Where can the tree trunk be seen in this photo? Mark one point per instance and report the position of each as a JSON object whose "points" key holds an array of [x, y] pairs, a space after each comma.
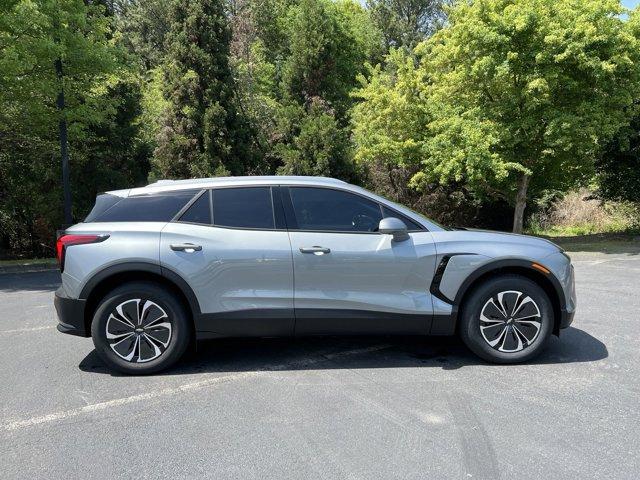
{"points": [[521, 203]]}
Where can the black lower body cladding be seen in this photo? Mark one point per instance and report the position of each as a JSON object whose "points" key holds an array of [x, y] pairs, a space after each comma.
{"points": [[70, 314]]}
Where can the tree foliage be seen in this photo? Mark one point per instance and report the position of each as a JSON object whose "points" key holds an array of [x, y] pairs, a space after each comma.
{"points": [[295, 79], [515, 92], [142, 27], [405, 23], [323, 57], [32, 36], [618, 168], [318, 145], [390, 123], [203, 133], [458, 112]]}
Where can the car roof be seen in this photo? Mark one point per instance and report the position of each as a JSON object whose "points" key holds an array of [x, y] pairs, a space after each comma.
{"points": [[198, 183]]}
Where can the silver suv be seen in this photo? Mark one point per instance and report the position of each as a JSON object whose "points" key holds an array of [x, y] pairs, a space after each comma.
{"points": [[152, 269]]}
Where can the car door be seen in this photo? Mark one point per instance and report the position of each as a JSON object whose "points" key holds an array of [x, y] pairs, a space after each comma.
{"points": [[232, 247], [348, 277]]}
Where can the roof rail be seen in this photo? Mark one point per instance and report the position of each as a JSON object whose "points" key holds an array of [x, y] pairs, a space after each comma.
{"points": [[283, 178]]}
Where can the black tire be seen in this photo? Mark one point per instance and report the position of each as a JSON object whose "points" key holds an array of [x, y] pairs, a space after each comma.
{"points": [[484, 301], [154, 300]]}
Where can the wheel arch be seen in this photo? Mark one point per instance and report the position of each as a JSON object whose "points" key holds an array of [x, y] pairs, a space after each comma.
{"points": [[548, 282], [110, 277]]}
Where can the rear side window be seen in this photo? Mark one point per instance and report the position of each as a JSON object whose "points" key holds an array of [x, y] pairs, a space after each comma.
{"points": [[160, 207], [334, 210], [199, 211], [249, 207]]}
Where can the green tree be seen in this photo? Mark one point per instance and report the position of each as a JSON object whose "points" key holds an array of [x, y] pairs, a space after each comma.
{"points": [[328, 45], [142, 27], [295, 63], [268, 23], [32, 36], [390, 135], [322, 59], [525, 92], [116, 151], [317, 144], [203, 133], [405, 23], [390, 123], [618, 168], [368, 40]]}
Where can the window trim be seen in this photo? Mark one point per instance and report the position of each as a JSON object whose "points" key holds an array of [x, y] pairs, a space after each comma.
{"points": [[211, 190], [290, 212], [183, 210]]}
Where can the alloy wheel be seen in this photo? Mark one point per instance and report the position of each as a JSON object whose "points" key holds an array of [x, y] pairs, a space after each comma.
{"points": [[510, 321], [138, 330]]}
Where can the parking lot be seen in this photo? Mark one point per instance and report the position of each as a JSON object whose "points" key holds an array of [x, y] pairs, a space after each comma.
{"points": [[329, 408]]}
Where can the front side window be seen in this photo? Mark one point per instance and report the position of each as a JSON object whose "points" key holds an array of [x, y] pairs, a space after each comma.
{"points": [[249, 207], [333, 210]]}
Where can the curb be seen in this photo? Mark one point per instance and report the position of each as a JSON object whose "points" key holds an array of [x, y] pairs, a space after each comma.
{"points": [[28, 268]]}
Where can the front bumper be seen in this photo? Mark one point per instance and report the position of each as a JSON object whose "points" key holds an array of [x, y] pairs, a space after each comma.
{"points": [[566, 319], [70, 314], [570, 309]]}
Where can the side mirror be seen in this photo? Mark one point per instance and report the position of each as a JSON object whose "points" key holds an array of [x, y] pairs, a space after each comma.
{"points": [[394, 226]]}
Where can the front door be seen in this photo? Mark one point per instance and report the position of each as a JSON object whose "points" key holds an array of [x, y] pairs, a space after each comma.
{"points": [[350, 279]]}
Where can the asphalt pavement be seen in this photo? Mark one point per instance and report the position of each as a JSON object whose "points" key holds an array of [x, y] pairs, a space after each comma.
{"points": [[328, 408]]}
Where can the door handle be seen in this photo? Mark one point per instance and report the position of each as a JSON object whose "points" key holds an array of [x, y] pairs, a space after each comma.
{"points": [[315, 250], [185, 247]]}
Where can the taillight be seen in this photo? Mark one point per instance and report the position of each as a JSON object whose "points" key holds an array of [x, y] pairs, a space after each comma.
{"points": [[68, 240]]}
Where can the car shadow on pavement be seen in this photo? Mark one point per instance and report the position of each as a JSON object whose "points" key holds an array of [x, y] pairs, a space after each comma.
{"points": [[321, 353]]}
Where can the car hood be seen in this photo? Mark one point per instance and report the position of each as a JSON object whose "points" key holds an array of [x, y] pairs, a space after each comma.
{"points": [[494, 244]]}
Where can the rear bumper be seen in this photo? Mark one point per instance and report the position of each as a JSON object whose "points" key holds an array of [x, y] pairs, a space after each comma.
{"points": [[70, 314]]}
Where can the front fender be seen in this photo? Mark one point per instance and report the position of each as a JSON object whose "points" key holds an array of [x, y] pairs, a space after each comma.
{"points": [[451, 285]]}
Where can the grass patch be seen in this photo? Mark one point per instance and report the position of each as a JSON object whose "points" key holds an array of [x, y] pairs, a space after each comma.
{"points": [[28, 262], [580, 214], [614, 243], [583, 229]]}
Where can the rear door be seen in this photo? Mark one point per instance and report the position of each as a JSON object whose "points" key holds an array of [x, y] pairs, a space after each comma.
{"points": [[348, 277], [232, 247]]}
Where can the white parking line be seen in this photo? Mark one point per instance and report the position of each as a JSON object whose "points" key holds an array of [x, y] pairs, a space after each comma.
{"points": [[165, 392], [123, 401], [34, 329]]}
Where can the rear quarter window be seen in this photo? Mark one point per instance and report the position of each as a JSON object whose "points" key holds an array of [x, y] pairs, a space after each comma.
{"points": [[161, 207], [200, 211], [104, 202]]}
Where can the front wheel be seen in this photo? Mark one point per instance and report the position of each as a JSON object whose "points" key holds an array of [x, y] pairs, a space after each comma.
{"points": [[140, 328], [507, 319]]}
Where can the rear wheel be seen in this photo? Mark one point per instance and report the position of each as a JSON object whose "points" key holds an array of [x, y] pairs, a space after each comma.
{"points": [[507, 319], [140, 328]]}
